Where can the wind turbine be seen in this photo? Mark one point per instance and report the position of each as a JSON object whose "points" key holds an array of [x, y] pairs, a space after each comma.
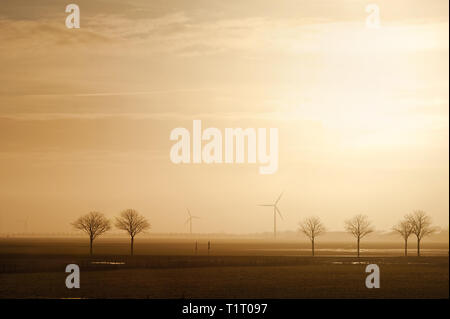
{"points": [[275, 212], [189, 220], [24, 222]]}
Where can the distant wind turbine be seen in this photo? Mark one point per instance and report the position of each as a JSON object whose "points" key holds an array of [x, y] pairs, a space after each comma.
{"points": [[24, 222], [275, 212], [189, 220]]}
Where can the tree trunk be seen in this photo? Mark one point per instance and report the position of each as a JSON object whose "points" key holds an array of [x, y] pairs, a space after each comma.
{"points": [[406, 247], [418, 246], [312, 243], [90, 245], [132, 242], [274, 223], [358, 246]]}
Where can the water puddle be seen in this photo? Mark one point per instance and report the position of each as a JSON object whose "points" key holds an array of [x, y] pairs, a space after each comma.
{"points": [[107, 263]]}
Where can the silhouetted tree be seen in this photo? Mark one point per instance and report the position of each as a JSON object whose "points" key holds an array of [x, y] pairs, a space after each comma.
{"points": [[404, 228], [133, 223], [359, 226], [421, 226], [312, 227], [94, 224]]}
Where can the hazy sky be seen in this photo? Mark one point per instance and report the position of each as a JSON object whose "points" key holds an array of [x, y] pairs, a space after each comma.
{"points": [[85, 114]]}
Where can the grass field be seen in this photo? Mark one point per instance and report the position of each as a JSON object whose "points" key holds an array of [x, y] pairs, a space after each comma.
{"points": [[236, 269]]}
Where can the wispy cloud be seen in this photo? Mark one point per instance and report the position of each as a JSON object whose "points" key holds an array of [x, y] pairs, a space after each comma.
{"points": [[178, 116], [182, 33], [119, 93]]}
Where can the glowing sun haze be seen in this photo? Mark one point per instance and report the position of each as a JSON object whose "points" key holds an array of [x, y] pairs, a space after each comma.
{"points": [[86, 114]]}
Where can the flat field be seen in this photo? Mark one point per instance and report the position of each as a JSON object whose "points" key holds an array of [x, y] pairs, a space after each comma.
{"points": [[35, 268]]}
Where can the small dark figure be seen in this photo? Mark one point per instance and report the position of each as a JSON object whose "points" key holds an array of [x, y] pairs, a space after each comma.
{"points": [[196, 247], [209, 246]]}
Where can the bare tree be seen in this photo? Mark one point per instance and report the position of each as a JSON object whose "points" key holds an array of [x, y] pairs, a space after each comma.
{"points": [[359, 226], [94, 224], [312, 227], [133, 223], [404, 228], [421, 226]]}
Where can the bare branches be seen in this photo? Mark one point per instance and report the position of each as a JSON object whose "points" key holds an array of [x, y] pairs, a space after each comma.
{"points": [[312, 227], [94, 224], [132, 222], [404, 228], [359, 226], [421, 224]]}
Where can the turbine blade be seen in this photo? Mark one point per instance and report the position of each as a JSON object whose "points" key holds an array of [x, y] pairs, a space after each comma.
{"points": [[278, 211], [279, 197], [268, 205]]}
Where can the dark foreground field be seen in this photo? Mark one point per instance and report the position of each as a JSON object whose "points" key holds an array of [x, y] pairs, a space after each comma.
{"points": [[40, 274]]}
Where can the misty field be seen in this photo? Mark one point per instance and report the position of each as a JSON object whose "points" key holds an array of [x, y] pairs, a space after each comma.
{"points": [[234, 269]]}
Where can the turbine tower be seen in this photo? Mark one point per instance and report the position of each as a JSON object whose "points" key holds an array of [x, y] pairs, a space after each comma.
{"points": [[189, 220], [275, 212], [24, 223]]}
